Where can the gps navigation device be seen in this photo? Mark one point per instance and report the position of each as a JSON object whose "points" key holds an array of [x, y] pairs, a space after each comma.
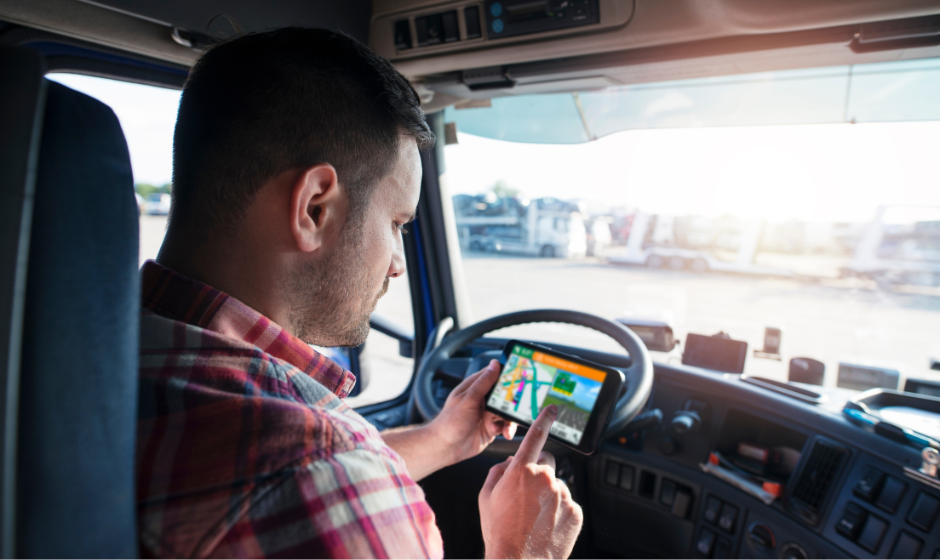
{"points": [[534, 377]]}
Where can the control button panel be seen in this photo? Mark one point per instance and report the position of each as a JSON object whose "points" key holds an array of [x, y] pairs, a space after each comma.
{"points": [[619, 475], [402, 35], [872, 533], [891, 494], [869, 485], [612, 474], [677, 497], [720, 513], [885, 513], [507, 18], [712, 509], [861, 527], [727, 518], [721, 519], [710, 545], [876, 487], [626, 478], [668, 493], [471, 17], [906, 545], [437, 29], [722, 549], [705, 543], [924, 511], [682, 503], [850, 523]]}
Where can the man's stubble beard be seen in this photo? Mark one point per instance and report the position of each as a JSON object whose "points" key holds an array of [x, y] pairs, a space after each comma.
{"points": [[331, 301]]}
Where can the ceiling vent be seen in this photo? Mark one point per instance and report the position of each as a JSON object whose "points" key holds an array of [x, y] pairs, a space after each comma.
{"points": [[819, 471]]}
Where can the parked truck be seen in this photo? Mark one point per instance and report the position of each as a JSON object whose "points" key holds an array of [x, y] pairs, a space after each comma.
{"points": [[544, 227], [901, 245], [651, 243]]}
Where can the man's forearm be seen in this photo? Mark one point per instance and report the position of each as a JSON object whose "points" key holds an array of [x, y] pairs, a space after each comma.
{"points": [[420, 447]]}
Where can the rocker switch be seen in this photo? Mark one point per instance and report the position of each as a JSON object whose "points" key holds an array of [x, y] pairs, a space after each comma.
{"points": [[869, 485]]}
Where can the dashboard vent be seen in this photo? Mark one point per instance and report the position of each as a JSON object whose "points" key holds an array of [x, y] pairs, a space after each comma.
{"points": [[819, 472]]}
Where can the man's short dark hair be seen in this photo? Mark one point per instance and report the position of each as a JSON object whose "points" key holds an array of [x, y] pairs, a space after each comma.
{"points": [[265, 103]]}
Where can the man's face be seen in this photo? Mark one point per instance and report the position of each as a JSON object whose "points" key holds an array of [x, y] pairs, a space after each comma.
{"points": [[334, 298]]}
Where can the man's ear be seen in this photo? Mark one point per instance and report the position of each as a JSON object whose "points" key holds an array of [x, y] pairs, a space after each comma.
{"points": [[316, 206]]}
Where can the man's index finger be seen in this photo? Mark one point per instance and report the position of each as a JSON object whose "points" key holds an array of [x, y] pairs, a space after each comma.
{"points": [[534, 440]]}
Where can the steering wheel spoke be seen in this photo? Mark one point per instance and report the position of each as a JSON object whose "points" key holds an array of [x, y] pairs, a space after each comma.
{"points": [[454, 370]]}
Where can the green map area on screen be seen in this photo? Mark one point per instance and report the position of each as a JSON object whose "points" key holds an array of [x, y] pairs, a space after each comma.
{"points": [[527, 385]]}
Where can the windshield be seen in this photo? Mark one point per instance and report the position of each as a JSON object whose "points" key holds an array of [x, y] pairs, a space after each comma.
{"points": [[814, 240]]}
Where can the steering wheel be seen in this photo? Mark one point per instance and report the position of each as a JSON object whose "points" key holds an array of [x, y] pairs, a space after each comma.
{"points": [[639, 376]]}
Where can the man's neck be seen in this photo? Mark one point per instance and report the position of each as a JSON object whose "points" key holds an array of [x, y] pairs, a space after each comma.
{"points": [[233, 266]]}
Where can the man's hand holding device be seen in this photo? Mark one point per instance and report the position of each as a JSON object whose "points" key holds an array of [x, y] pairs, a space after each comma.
{"points": [[525, 512], [462, 430], [463, 427]]}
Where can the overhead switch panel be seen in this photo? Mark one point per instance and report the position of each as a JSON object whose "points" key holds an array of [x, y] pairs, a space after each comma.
{"points": [[509, 18], [402, 35], [471, 16], [429, 30]]}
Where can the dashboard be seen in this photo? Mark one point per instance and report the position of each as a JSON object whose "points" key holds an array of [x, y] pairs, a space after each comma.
{"points": [[849, 493]]}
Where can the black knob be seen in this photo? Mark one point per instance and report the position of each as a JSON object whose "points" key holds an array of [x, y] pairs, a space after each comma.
{"points": [[668, 446], [685, 422], [761, 535], [793, 551]]}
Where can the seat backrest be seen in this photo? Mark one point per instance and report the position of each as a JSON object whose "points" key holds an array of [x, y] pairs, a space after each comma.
{"points": [[75, 493], [22, 100]]}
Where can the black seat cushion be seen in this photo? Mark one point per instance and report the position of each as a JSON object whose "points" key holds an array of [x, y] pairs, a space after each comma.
{"points": [[78, 399]]}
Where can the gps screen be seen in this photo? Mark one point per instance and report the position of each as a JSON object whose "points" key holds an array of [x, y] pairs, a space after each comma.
{"points": [[532, 380]]}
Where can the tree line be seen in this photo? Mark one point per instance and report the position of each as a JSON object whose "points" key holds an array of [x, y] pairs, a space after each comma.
{"points": [[146, 189]]}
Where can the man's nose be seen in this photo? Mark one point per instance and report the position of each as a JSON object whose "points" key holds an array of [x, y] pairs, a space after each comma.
{"points": [[397, 268]]}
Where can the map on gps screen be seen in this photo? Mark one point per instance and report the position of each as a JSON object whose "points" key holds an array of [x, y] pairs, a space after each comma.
{"points": [[532, 380]]}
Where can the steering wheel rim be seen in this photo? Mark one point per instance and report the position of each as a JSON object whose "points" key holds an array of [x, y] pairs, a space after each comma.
{"points": [[626, 407]]}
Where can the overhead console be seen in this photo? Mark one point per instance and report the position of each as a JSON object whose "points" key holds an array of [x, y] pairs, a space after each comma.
{"points": [[435, 28], [466, 52]]}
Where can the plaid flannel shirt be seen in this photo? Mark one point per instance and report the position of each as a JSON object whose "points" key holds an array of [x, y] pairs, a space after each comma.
{"points": [[245, 447]]}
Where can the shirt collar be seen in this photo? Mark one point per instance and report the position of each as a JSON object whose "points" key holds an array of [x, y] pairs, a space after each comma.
{"points": [[172, 295]]}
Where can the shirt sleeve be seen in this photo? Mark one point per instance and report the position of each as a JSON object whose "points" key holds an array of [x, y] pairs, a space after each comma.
{"points": [[356, 504]]}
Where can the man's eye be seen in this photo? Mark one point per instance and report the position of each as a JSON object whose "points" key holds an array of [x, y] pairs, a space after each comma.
{"points": [[402, 228]]}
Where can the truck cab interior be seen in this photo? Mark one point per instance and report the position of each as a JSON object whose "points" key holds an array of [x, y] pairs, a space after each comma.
{"points": [[616, 179]]}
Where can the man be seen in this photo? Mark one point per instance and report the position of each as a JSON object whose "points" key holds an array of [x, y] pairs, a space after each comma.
{"points": [[296, 167]]}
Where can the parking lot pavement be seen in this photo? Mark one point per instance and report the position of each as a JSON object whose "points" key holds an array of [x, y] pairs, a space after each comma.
{"points": [[152, 231], [829, 320]]}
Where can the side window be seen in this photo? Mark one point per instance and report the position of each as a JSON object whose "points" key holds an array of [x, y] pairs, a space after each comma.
{"points": [[384, 373], [148, 118]]}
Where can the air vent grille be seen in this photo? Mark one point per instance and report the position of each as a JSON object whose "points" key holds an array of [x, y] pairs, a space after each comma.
{"points": [[818, 474]]}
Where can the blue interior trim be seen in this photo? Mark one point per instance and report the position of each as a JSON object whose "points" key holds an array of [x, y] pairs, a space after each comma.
{"points": [[425, 286], [52, 48]]}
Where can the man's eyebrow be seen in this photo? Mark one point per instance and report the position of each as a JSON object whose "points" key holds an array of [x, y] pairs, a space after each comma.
{"points": [[413, 216]]}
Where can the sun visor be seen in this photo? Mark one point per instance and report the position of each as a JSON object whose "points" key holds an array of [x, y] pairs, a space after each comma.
{"points": [[880, 92]]}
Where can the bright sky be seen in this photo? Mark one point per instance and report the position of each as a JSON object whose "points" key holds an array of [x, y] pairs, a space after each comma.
{"points": [[822, 173]]}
